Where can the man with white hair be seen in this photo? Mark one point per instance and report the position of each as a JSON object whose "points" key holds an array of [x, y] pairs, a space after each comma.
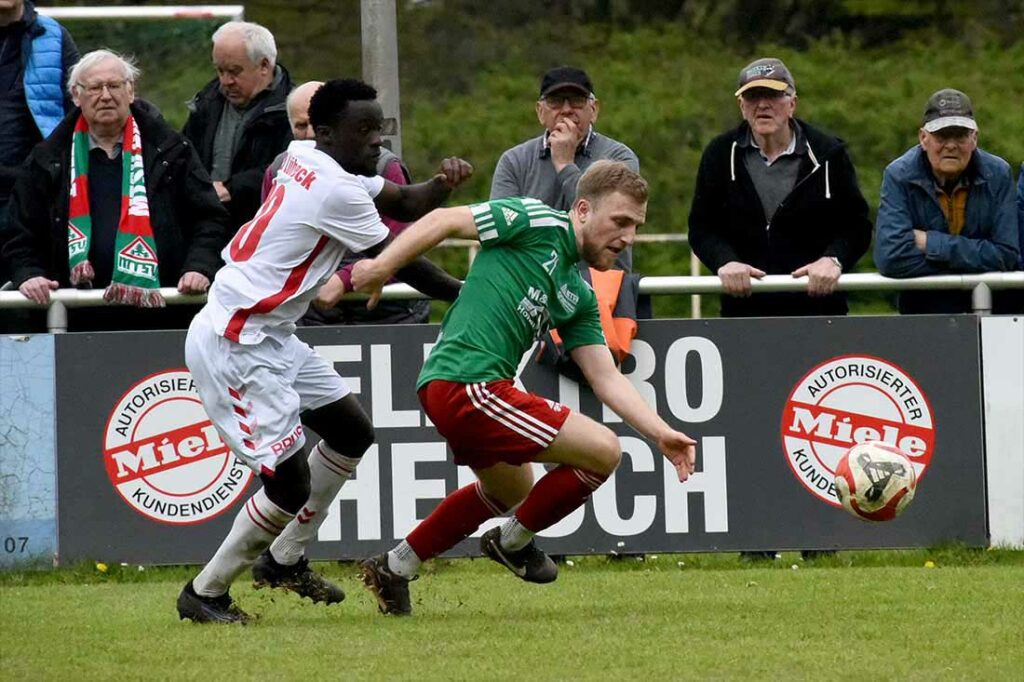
{"points": [[67, 227], [238, 121]]}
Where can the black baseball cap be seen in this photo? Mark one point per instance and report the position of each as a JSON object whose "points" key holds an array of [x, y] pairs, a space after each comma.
{"points": [[768, 73], [948, 108], [566, 78]]}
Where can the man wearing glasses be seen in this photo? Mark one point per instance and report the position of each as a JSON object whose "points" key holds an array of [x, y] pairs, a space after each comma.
{"points": [[548, 168], [777, 196], [946, 207], [114, 199]]}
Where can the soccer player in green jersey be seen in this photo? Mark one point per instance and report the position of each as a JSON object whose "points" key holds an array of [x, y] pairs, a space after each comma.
{"points": [[524, 281]]}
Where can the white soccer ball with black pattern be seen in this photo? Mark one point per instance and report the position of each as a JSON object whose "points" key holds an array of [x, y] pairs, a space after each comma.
{"points": [[875, 481]]}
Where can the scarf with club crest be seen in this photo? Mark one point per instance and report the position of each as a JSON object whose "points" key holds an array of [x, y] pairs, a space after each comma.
{"points": [[136, 276]]}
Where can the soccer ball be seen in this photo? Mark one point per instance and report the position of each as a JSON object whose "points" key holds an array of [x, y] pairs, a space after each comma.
{"points": [[875, 481]]}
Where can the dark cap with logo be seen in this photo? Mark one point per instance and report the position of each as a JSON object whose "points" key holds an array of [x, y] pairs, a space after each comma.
{"points": [[566, 78], [768, 73], [948, 108]]}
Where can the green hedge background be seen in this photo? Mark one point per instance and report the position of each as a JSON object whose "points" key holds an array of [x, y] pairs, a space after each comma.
{"points": [[664, 72]]}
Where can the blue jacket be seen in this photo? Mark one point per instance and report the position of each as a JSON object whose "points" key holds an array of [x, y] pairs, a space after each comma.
{"points": [[1020, 216], [988, 241], [46, 72], [47, 53]]}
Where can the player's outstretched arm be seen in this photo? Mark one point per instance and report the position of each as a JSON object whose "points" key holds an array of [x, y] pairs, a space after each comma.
{"points": [[422, 274], [370, 274], [411, 202], [615, 391]]}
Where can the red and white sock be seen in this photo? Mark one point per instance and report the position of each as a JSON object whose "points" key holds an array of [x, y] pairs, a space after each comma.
{"points": [[554, 497], [450, 523], [257, 524], [328, 471]]}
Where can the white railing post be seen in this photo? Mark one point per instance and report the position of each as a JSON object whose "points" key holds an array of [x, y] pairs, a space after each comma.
{"points": [[57, 318], [695, 311], [981, 299]]}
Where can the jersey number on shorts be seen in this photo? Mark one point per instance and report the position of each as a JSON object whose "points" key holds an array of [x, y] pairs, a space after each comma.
{"points": [[248, 238]]}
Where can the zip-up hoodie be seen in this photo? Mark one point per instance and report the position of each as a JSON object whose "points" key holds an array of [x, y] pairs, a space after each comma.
{"points": [[824, 214]]}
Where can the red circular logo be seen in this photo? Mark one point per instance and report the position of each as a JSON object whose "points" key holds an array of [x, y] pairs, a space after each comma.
{"points": [[164, 456], [848, 400]]}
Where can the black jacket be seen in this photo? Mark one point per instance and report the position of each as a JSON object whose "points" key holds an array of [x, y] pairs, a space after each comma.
{"points": [[266, 135], [824, 215], [189, 222]]}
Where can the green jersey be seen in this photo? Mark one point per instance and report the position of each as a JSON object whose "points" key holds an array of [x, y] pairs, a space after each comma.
{"points": [[524, 281]]}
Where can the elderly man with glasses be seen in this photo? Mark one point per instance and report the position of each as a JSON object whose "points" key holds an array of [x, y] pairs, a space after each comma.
{"points": [[117, 200], [946, 207], [548, 168], [776, 195]]}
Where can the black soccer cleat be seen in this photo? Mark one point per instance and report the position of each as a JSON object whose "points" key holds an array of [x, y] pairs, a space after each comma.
{"points": [[200, 609], [758, 556], [390, 589], [298, 578], [529, 563]]}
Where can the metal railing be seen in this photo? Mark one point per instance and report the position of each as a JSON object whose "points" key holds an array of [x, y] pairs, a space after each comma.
{"points": [[981, 286], [473, 247], [160, 12]]}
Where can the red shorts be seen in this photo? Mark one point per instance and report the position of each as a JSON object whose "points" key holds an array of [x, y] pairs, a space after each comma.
{"points": [[492, 422]]}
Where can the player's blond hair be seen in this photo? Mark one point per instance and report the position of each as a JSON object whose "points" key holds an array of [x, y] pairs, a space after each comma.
{"points": [[605, 177]]}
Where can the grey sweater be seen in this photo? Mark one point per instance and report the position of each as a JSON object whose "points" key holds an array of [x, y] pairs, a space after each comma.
{"points": [[526, 171]]}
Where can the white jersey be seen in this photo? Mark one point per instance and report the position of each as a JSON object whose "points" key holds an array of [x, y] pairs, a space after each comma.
{"points": [[273, 267]]}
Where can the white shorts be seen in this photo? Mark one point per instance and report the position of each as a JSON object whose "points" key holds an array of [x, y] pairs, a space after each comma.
{"points": [[254, 393]]}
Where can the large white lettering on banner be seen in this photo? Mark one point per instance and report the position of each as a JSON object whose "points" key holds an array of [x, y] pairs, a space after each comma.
{"points": [[143, 479], [407, 487]]}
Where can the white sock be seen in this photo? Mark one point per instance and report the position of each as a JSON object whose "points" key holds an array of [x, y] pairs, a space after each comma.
{"points": [[403, 561], [257, 524], [328, 471], [514, 535]]}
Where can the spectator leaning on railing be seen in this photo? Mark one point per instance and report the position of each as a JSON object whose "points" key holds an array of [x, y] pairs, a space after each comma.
{"points": [[777, 196], [238, 121], [82, 215], [946, 207], [35, 55]]}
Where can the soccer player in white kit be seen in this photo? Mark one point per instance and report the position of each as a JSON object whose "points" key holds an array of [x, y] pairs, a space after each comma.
{"points": [[262, 386]]}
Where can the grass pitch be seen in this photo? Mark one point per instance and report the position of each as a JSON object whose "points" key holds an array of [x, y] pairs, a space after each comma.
{"points": [[857, 615]]}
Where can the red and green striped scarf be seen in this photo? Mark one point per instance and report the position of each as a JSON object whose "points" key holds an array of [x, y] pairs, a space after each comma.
{"points": [[136, 278]]}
